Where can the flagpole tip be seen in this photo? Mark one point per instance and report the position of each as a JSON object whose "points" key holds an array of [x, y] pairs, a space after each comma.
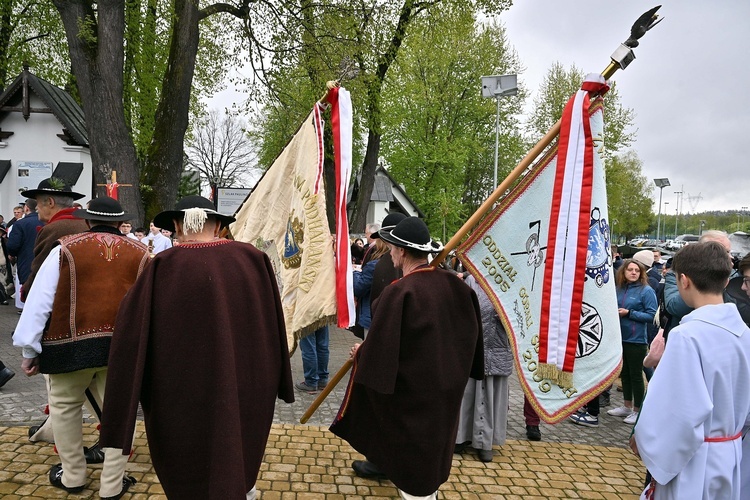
{"points": [[648, 20]]}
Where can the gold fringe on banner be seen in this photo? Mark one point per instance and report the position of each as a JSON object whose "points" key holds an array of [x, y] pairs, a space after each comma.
{"points": [[548, 371], [554, 374]]}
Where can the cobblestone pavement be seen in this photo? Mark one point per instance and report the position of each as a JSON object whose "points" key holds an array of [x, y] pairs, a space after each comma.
{"points": [[307, 462]]}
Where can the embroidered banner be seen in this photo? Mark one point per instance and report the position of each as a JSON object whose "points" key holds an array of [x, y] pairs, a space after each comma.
{"points": [[285, 217], [543, 257]]}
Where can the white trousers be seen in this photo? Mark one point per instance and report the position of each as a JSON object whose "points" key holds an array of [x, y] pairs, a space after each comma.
{"points": [[407, 496], [66, 398]]}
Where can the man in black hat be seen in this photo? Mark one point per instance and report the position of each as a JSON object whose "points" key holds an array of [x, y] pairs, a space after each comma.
{"points": [[202, 345], [402, 405], [66, 329], [55, 207]]}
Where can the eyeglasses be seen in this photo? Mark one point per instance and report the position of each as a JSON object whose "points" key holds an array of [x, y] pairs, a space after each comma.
{"points": [[746, 281]]}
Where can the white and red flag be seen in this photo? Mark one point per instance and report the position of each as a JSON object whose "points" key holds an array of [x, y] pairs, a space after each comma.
{"points": [[285, 216], [543, 256]]}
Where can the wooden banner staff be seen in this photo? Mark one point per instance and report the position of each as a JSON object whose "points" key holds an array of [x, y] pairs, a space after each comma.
{"points": [[620, 59]]}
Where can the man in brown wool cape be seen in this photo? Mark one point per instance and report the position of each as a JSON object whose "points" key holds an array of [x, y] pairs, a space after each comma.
{"points": [[202, 345], [402, 405]]}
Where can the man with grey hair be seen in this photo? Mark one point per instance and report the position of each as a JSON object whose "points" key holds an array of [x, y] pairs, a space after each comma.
{"points": [[369, 229], [675, 306], [55, 207]]}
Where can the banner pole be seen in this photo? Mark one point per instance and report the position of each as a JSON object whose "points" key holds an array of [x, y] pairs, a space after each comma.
{"points": [[620, 59], [330, 387], [527, 160]]}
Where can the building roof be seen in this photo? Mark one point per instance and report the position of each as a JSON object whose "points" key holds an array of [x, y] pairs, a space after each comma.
{"points": [[60, 103], [382, 190]]}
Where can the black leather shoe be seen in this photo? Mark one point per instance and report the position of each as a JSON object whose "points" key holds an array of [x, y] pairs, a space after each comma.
{"points": [[533, 433], [460, 447], [485, 455], [55, 479], [5, 375], [94, 455], [33, 429], [127, 482], [367, 470]]}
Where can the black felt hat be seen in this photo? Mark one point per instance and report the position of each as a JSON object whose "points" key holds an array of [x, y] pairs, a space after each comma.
{"points": [[389, 222], [411, 232], [103, 208], [52, 186], [164, 219]]}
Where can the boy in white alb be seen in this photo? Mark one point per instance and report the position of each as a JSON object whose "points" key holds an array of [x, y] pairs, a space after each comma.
{"points": [[689, 433]]}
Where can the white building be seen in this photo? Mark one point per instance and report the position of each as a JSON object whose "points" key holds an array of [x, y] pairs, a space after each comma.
{"points": [[387, 197], [42, 133]]}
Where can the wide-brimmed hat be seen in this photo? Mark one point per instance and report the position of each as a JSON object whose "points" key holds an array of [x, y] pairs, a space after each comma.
{"points": [[52, 186], [103, 208], [194, 207], [389, 222], [411, 232]]}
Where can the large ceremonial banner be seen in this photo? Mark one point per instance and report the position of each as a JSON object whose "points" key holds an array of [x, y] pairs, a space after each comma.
{"points": [[285, 217], [543, 257]]}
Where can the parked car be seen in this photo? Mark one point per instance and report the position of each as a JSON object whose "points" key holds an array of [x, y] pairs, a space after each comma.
{"points": [[685, 239]]}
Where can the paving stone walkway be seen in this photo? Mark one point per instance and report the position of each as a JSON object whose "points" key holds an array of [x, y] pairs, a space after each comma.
{"points": [[307, 462]]}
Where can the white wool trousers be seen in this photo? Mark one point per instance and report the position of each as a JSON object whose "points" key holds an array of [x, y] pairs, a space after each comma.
{"points": [[66, 398], [407, 496]]}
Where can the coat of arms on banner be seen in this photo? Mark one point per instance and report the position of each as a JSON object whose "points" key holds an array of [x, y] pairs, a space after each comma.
{"points": [[509, 254]]}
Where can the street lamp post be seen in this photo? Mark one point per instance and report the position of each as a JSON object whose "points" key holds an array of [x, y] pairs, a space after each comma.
{"points": [[495, 87], [665, 219], [744, 210], [661, 184]]}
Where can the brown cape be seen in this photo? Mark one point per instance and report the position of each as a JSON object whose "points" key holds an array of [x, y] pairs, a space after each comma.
{"points": [[200, 341], [402, 405]]}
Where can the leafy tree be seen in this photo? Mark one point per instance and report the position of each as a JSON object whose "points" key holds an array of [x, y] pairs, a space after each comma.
{"points": [[97, 42], [31, 33], [438, 131], [221, 151], [190, 183], [628, 195], [356, 37], [555, 91]]}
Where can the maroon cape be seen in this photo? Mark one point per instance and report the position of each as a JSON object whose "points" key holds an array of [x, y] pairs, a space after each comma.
{"points": [[402, 404], [200, 341]]}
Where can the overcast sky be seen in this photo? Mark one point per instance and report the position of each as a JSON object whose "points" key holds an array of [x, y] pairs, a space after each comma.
{"points": [[688, 85]]}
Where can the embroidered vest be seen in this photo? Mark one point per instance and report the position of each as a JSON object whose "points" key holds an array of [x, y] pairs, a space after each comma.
{"points": [[96, 270]]}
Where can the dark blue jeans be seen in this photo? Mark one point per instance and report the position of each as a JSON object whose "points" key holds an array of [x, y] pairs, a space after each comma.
{"points": [[314, 350]]}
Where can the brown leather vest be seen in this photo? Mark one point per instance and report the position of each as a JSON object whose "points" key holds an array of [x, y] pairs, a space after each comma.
{"points": [[96, 270]]}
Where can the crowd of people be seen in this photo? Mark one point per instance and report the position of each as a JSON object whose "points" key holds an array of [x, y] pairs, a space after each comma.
{"points": [[108, 309]]}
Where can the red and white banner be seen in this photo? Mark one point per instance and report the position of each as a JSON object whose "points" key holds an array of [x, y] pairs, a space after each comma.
{"points": [[543, 257], [342, 124], [285, 216]]}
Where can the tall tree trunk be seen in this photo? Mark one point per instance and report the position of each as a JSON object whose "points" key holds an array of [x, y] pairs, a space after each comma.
{"points": [[366, 183], [370, 163], [96, 54], [5, 31], [166, 155]]}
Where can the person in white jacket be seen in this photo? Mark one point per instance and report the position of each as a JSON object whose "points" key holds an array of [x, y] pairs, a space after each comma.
{"points": [[689, 433]]}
